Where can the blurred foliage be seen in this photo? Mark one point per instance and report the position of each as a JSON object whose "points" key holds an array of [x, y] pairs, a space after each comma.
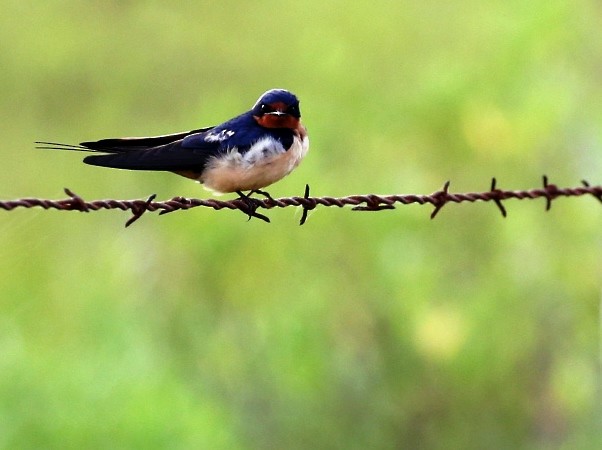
{"points": [[358, 330]]}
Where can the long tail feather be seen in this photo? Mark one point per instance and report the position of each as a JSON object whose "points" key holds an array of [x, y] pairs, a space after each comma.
{"points": [[59, 146]]}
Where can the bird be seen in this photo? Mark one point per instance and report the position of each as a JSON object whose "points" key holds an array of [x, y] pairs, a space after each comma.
{"points": [[246, 153]]}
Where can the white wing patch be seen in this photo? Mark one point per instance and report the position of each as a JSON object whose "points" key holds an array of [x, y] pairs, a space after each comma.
{"points": [[218, 137]]}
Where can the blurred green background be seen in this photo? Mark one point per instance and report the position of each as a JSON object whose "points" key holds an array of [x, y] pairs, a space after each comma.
{"points": [[358, 330]]}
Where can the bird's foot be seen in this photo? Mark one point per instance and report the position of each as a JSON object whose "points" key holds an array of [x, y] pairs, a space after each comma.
{"points": [[251, 204], [260, 192]]}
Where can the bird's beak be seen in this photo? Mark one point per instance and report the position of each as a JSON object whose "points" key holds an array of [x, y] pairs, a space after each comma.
{"points": [[277, 113]]}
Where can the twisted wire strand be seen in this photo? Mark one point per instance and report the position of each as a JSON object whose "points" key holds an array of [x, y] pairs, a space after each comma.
{"points": [[367, 202]]}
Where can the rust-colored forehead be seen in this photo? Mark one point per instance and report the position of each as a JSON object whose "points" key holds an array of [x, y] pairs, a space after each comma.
{"points": [[279, 106]]}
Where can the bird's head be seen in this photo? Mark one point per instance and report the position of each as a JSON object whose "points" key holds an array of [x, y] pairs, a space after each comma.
{"points": [[277, 108]]}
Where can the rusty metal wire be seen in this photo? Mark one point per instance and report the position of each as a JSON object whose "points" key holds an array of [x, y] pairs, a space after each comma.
{"points": [[368, 202]]}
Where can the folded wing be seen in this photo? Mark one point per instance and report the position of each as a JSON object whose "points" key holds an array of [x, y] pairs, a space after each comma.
{"points": [[155, 153], [185, 151], [117, 145]]}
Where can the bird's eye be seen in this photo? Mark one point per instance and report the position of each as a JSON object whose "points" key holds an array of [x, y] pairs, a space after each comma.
{"points": [[265, 108], [293, 109]]}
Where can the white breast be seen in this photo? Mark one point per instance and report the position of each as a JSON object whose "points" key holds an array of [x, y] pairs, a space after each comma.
{"points": [[263, 164]]}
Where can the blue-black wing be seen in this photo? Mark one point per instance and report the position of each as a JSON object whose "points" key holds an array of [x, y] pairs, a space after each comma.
{"points": [[141, 154], [117, 145], [165, 152]]}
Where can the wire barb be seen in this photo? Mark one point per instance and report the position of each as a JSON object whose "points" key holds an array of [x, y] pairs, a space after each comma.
{"points": [[307, 205], [77, 202], [374, 203], [369, 202], [598, 195], [497, 197], [551, 192], [140, 208], [440, 199]]}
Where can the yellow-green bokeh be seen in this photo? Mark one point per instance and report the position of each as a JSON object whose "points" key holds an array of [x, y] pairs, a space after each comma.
{"points": [[199, 329]]}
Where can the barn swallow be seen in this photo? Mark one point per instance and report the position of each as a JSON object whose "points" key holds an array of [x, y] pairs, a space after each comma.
{"points": [[246, 153]]}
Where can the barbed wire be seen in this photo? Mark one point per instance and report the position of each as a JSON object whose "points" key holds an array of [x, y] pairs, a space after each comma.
{"points": [[368, 202]]}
